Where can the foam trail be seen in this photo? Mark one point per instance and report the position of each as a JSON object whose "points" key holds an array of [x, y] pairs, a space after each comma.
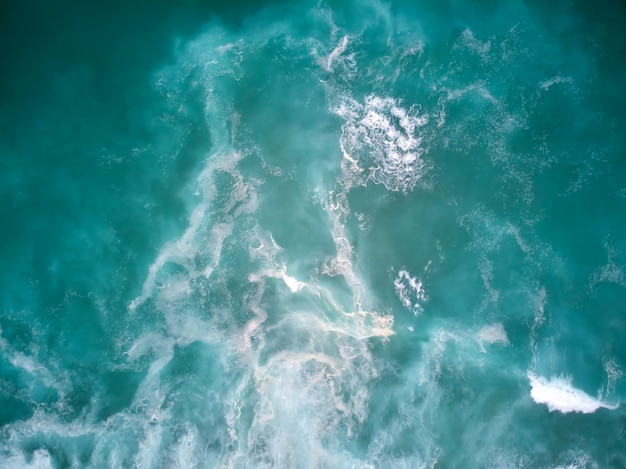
{"points": [[360, 322], [184, 250], [559, 394], [337, 51], [546, 84]]}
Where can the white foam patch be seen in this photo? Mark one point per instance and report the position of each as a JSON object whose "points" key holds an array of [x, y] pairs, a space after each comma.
{"points": [[470, 42], [292, 283], [40, 459], [612, 272], [558, 394], [493, 334], [613, 372], [382, 138], [336, 52], [410, 291], [555, 80]]}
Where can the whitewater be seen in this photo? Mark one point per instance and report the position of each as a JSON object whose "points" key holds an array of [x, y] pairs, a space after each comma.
{"points": [[313, 235]]}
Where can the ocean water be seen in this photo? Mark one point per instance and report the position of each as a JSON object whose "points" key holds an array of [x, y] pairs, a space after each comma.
{"points": [[318, 234]]}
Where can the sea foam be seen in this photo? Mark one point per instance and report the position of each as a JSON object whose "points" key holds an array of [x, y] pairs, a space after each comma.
{"points": [[383, 137], [493, 334], [410, 291], [559, 394]]}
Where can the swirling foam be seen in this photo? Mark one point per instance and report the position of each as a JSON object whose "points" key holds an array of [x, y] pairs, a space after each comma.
{"points": [[382, 137], [410, 291]]}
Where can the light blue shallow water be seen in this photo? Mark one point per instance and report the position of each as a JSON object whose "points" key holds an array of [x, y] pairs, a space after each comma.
{"points": [[314, 235]]}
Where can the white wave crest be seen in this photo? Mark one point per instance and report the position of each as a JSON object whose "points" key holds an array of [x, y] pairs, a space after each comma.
{"points": [[559, 394]]}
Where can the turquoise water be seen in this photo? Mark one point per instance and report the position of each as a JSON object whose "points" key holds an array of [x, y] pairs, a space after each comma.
{"points": [[313, 235]]}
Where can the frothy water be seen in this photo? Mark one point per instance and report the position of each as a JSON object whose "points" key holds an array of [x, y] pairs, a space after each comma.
{"points": [[559, 394], [313, 236], [381, 138]]}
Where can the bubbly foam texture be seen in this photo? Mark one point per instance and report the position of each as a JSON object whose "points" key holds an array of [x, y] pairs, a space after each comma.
{"points": [[558, 394], [382, 138], [613, 372], [410, 291], [493, 334]]}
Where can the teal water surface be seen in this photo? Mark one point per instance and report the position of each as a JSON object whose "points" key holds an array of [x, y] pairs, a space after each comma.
{"points": [[313, 235]]}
